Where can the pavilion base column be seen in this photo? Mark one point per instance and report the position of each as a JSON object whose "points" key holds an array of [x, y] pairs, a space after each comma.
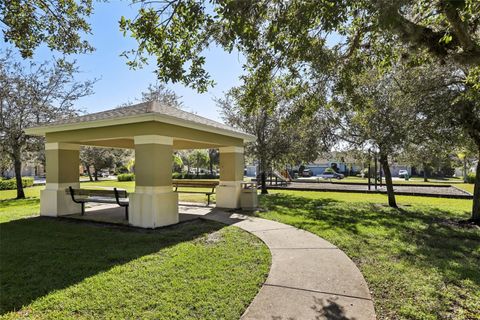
{"points": [[153, 207], [153, 204], [231, 176], [54, 201], [62, 168]]}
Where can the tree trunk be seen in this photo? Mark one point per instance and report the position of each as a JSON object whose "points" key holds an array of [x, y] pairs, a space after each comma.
{"points": [[95, 173], [210, 162], [17, 163], [425, 177], [476, 193], [465, 169], [88, 172], [388, 182], [264, 182]]}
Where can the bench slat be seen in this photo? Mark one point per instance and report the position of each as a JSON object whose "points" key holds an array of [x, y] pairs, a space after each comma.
{"points": [[199, 192], [98, 193], [199, 184], [205, 186]]}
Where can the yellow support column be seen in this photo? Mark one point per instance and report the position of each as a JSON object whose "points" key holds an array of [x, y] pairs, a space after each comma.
{"points": [[153, 204], [63, 171], [231, 177]]}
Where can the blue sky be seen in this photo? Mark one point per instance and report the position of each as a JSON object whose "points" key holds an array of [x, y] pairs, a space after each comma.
{"points": [[118, 84]]}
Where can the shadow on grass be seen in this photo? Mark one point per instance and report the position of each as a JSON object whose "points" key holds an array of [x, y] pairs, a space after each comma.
{"points": [[40, 255], [19, 202], [420, 236]]}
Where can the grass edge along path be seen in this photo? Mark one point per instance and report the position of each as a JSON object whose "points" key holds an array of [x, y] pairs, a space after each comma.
{"points": [[418, 263]]}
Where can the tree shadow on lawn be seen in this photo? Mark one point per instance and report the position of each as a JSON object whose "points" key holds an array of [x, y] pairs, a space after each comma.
{"points": [[421, 236], [40, 255]]}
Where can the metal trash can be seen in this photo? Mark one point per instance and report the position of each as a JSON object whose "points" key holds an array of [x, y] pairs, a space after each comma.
{"points": [[249, 197]]}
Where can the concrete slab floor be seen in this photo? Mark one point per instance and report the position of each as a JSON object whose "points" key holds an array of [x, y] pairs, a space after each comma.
{"points": [[113, 214]]}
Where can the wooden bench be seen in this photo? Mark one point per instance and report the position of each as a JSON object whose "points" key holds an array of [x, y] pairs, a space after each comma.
{"points": [[82, 196], [196, 184]]}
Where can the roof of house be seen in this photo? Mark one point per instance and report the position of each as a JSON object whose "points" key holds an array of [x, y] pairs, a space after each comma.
{"points": [[146, 111]]}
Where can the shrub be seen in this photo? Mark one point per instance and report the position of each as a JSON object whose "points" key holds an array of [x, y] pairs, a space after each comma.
{"points": [[11, 184], [126, 177], [27, 182], [121, 170], [330, 170], [177, 175], [471, 178]]}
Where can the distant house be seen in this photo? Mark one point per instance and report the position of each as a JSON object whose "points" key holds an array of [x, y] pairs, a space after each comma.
{"points": [[339, 164], [28, 170], [396, 167], [345, 165], [251, 170], [350, 166]]}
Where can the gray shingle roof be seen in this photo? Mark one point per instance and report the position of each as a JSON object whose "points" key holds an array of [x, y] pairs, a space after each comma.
{"points": [[145, 108]]}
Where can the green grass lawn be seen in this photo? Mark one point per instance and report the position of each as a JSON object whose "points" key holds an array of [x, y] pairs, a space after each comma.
{"points": [[465, 186], [418, 262], [55, 269]]}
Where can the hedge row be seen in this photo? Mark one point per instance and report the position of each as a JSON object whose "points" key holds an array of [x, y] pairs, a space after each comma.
{"points": [[11, 184], [126, 177], [176, 175]]}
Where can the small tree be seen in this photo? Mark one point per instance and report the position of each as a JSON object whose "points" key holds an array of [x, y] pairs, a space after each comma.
{"points": [[376, 119], [157, 92], [98, 158], [213, 159], [276, 114], [177, 163], [160, 93], [199, 159], [102, 158], [427, 153], [32, 95], [186, 159]]}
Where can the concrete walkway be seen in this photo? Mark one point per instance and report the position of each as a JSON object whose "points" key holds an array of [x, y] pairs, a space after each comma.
{"points": [[309, 278]]}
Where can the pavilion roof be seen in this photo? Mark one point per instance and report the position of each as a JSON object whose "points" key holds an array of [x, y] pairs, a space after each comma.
{"points": [[146, 111]]}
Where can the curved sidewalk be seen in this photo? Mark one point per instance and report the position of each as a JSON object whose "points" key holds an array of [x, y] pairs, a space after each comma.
{"points": [[309, 278]]}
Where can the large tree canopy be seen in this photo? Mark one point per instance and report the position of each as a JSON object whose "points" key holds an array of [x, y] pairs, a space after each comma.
{"points": [[282, 34], [291, 38], [58, 24]]}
